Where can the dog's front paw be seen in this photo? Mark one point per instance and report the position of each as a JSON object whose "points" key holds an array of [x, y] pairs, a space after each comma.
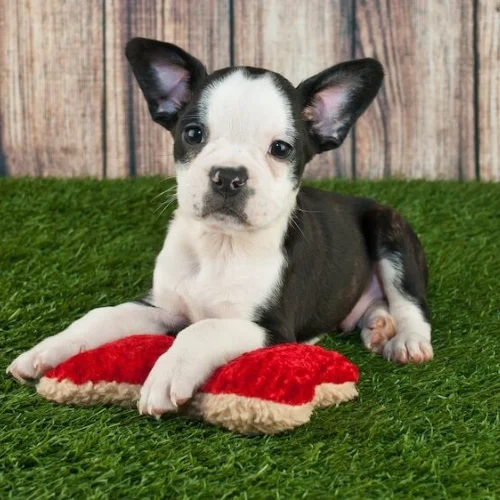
{"points": [[172, 382], [32, 364], [408, 348]]}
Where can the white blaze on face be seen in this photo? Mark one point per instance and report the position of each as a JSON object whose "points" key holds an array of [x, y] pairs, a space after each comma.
{"points": [[248, 111], [243, 115]]}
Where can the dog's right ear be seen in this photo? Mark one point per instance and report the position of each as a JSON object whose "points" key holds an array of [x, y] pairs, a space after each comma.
{"points": [[167, 76]]}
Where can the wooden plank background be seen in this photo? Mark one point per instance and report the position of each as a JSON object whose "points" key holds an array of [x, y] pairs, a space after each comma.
{"points": [[69, 106], [51, 88], [422, 125], [488, 123], [293, 52]]}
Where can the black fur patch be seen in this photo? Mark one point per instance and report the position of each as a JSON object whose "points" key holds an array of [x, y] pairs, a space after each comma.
{"points": [[332, 247], [327, 268]]}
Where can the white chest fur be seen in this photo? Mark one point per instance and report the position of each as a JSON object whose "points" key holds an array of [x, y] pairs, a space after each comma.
{"points": [[203, 273]]}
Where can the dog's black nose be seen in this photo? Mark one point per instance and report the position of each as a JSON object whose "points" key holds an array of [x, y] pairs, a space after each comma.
{"points": [[228, 181]]}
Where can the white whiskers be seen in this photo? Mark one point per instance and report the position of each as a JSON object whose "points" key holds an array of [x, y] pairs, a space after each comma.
{"points": [[171, 197]]}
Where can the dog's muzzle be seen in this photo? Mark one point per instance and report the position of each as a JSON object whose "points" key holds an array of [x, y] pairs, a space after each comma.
{"points": [[227, 194]]}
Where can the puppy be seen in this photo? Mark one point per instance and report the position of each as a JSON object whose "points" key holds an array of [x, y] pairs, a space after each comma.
{"points": [[252, 258]]}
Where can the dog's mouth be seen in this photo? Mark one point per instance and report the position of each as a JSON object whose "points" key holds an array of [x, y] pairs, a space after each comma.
{"points": [[223, 212]]}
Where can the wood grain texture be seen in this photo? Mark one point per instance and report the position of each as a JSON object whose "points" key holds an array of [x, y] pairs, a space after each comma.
{"points": [[200, 27], [118, 140], [66, 110], [51, 87], [297, 38], [488, 51], [422, 124]]}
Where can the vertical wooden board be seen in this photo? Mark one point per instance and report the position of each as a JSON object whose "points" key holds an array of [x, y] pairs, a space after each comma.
{"points": [[422, 124], [200, 27], [488, 51], [297, 38], [117, 88], [51, 87]]}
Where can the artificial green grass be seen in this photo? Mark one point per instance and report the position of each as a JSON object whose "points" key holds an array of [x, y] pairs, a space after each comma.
{"points": [[429, 431]]}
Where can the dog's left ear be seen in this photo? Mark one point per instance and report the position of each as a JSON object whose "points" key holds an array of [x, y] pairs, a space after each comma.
{"points": [[334, 99], [167, 76]]}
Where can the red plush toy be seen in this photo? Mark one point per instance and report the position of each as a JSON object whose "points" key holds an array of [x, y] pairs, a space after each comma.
{"points": [[262, 392]]}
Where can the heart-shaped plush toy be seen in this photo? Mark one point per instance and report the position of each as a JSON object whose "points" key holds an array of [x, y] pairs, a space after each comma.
{"points": [[266, 391]]}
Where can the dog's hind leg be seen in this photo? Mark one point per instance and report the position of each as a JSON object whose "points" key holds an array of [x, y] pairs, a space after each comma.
{"points": [[400, 264]]}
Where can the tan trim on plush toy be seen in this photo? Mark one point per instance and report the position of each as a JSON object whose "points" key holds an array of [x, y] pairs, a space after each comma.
{"points": [[242, 414], [334, 394], [66, 392], [258, 416], [249, 415], [238, 413]]}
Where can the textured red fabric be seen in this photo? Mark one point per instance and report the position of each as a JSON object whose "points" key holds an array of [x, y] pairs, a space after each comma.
{"points": [[126, 360], [286, 373]]}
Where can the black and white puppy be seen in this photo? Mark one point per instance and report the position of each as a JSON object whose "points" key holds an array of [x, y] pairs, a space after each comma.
{"points": [[252, 258]]}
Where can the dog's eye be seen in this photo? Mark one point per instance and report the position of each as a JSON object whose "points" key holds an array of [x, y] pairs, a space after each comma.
{"points": [[193, 134], [280, 149]]}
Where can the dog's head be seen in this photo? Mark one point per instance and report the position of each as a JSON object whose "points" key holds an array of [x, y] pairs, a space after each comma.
{"points": [[243, 136]]}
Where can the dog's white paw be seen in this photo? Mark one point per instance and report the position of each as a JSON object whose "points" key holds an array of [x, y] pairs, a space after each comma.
{"points": [[32, 364], [408, 348], [173, 380]]}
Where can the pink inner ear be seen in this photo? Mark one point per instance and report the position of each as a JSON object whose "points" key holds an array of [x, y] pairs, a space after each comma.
{"points": [[326, 109], [174, 83]]}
